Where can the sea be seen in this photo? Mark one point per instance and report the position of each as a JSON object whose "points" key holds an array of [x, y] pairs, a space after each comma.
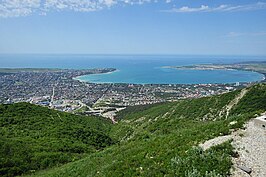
{"points": [[139, 69]]}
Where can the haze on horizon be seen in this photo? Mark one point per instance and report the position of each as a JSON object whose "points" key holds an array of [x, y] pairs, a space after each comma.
{"points": [[213, 27]]}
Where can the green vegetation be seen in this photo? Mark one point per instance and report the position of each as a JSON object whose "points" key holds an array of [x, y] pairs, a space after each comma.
{"points": [[81, 110], [125, 112], [259, 67], [158, 140], [253, 102], [217, 157], [34, 137]]}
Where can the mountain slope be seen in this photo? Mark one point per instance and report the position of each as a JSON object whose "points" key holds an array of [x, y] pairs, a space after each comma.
{"points": [[163, 140], [34, 137]]}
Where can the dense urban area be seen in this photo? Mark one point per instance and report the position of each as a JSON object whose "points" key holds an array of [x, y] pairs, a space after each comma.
{"points": [[58, 89]]}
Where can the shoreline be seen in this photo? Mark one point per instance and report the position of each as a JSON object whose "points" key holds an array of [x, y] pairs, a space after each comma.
{"points": [[173, 67], [194, 67], [82, 80], [207, 67]]}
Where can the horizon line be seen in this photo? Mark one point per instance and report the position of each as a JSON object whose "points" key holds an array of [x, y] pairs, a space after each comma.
{"points": [[135, 54]]}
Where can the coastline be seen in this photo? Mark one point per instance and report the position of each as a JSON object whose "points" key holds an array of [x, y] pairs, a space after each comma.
{"points": [[263, 79], [260, 72], [82, 80], [212, 67], [195, 68]]}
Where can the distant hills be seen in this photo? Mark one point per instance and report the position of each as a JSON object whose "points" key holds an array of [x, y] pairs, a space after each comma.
{"points": [[157, 140]]}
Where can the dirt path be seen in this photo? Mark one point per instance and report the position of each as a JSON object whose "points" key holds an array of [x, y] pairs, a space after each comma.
{"points": [[251, 147], [250, 144], [232, 103], [215, 141]]}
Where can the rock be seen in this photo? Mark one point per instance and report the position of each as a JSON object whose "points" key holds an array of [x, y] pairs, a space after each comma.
{"points": [[245, 169], [233, 123]]}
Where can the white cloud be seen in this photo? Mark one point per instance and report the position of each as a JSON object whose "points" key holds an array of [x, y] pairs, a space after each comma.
{"points": [[238, 34], [221, 8], [15, 8], [110, 2], [188, 9], [88, 5], [75, 5]]}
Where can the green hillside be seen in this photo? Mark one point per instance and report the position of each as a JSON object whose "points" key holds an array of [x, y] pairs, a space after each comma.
{"points": [[163, 140], [34, 137], [158, 140]]}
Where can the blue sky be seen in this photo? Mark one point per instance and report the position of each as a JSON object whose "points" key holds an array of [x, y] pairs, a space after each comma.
{"points": [[214, 27]]}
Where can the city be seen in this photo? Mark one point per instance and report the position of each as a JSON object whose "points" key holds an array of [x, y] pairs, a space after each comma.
{"points": [[58, 89]]}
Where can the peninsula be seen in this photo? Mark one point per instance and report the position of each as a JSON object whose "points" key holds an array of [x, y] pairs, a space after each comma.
{"points": [[254, 66]]}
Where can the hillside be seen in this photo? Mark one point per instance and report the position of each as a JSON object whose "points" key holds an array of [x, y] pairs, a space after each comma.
{"points": [[163, 140], [158, 140], [34, 138]]}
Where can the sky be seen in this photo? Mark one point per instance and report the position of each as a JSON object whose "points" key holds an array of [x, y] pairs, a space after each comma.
{"points": [[193, 27]]}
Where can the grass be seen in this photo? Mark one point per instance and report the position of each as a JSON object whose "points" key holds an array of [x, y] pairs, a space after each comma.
{"points": [[162, 140], [34, 138]]}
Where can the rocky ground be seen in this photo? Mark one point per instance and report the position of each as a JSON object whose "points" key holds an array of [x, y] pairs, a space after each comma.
{"points": [[250, 144], [215, 141]]}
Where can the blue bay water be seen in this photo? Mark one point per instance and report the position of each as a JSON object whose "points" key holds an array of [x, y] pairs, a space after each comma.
{"points": [[140, 69]]}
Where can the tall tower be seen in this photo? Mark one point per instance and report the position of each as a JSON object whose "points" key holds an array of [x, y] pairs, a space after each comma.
{"points": [[52, 99]]}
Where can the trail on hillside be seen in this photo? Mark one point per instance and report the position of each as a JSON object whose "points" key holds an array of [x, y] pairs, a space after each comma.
{"points": [[251, 147], [250, 144], [232, 103], [215, 141]]}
